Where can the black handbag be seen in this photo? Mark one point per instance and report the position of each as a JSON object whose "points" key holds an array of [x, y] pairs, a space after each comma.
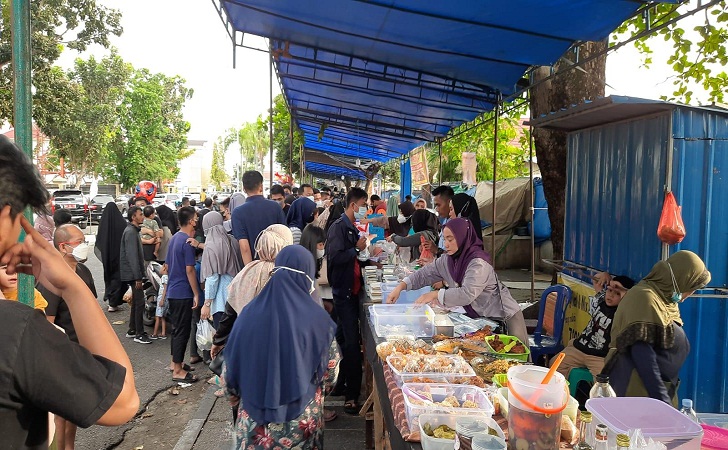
{"points": [[217, 362]]}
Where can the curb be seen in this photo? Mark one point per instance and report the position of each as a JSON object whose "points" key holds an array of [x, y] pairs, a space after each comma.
{"points": [[195, 424]]}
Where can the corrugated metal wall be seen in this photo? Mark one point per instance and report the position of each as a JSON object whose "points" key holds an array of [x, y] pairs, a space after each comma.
{"points": [[700, 183], [614, 195]]}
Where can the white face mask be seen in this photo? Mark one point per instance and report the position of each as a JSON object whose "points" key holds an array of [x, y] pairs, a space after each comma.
{"points": [[312, 198], [313, 284], [362, 213], [320, 253], [80, 253], [401, 218]]}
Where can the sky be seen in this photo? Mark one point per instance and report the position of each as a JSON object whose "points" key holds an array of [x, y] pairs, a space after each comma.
{"points": [[188, 38]]}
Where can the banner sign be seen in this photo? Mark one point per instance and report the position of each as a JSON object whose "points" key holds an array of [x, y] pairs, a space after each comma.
{"points": [[418, 163], [577, 313], [469, 168]]}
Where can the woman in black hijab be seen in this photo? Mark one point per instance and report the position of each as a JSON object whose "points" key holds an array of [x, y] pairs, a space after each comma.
{"points": [[465, 206], [108, 248], [169, 227], [399, 225], [424, 224]]}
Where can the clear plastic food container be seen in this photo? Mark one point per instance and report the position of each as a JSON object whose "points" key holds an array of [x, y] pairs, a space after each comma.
{"points": [[448, 368], [417, 401], [416, 320]]}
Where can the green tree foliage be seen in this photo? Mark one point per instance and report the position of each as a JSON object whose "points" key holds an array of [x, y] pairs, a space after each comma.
{"points": [[291, 164], [93, 91], [700, 55], [152, 136], [512, 148], [252, 140], [55, 24], [217, 170]]}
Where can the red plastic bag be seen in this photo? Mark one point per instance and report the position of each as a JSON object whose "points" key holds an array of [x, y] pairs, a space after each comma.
{"points": [[671, 229]]}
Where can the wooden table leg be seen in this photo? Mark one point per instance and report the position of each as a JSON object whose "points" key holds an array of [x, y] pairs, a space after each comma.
{"points": [[381, 442]]}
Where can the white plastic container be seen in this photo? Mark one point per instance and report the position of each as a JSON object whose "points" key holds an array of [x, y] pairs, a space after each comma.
{"points": [[405, 297], [439, 392], [460, 366], [656, 419], [388, 320], [572, 408], [435, 420]]}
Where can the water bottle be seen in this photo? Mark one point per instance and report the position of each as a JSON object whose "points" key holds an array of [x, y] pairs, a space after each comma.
{"points": [[602, 388], [601, 436], [687, 409]]}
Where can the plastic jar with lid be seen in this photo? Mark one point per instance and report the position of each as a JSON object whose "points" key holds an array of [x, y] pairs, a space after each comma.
{"points": [[485, 441], [465, 428]]}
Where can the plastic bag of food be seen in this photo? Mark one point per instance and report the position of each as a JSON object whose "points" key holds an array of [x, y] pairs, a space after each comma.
{"points": [[204, 335], [671, 229]]}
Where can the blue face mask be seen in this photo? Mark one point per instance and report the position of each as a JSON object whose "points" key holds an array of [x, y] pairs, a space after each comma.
{"points": [[361, 214], [676, 295]]}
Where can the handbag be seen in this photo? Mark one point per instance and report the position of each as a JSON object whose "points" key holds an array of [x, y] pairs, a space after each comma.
{"points": [[217, 362]]}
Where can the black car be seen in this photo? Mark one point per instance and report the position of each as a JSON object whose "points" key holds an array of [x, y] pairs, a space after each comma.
{"points": [[75, 202], [97, 206]]}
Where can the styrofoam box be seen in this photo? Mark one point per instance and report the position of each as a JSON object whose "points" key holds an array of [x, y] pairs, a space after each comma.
{"points": [[656, 419], [435, 420], [418, 320], [405, 297], [439, 392], [450, 378], [571, 410]]}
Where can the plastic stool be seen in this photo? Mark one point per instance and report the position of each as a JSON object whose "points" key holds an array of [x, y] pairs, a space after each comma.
{"points": [[577, 375]]}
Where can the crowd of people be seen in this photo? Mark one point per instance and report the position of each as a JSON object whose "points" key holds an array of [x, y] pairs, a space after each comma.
{"points": [[279, 279]]}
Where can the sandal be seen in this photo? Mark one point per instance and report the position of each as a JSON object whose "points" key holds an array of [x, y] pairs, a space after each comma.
{"points": [[189, 378], [352, 407], [220, 393], [185, 367], [329, 415], [195, 359]]}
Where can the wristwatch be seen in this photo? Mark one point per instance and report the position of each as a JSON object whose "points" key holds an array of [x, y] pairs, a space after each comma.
{"points": [[208, 303]]}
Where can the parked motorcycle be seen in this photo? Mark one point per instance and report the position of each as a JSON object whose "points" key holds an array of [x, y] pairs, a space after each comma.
{"points": [[152, 284]]}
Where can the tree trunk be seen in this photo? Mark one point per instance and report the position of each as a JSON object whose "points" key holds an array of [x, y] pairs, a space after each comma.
{"points": [[571, 87]]}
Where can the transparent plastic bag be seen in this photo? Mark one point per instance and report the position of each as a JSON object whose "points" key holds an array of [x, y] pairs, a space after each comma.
{"points": [[204, 335]]}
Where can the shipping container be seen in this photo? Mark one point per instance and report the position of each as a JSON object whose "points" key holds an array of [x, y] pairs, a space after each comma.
{"points": [[623, 154]]}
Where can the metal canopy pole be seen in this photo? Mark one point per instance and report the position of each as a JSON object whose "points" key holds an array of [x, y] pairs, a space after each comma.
{"points": [[22, 108], [270, 119], [439, 150], [290, 144], [533, 205], [495, 161]]}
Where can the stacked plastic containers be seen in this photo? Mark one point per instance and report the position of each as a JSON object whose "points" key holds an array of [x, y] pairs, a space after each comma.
{"points": [[656, 419]]}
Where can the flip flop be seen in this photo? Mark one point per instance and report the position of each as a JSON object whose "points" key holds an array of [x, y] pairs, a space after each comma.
{"points": [[185, 367], [329, 415], [352, 407], [189, 378]]}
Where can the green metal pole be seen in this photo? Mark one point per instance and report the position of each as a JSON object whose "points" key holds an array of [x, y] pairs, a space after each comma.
{"points": [[23, 110]]}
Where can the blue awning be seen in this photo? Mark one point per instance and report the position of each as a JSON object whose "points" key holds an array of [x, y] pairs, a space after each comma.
{"points": [[375, 79], [328, 171]]}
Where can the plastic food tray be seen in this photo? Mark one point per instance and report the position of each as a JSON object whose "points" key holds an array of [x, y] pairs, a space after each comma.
{"points": [[418, 321], [507, 339], [439, 392], [405, 297], [435, 420], [401, 377], [656, 419]]}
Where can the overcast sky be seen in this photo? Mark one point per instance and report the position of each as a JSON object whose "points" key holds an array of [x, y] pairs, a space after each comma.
{"points": [[187, 38]]}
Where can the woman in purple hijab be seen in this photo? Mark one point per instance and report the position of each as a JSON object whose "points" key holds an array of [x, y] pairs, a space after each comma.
{"points": [[471, 284]]}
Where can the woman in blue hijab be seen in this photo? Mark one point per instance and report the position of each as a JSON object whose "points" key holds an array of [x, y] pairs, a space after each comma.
{"points": [[277, 356], [303, 211]]}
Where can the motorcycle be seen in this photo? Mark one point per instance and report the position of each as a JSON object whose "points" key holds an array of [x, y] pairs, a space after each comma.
{"points": [[152, 284]]}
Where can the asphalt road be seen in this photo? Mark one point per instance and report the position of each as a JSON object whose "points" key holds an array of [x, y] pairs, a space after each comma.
{"points": [[150, 364]]}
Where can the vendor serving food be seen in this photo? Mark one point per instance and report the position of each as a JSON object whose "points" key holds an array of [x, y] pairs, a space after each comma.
{"points": [[469, 281]]}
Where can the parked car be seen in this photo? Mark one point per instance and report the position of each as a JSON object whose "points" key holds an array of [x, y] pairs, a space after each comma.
{"points": [[97, 206], [170, 200], [122, 202], [75, 202]]}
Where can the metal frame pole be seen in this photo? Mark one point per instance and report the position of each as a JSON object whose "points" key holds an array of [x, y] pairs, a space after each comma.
{"points": [[290, 143], [23, 110], [495, 168], [439, 170], [533, 205], [270, 119]]}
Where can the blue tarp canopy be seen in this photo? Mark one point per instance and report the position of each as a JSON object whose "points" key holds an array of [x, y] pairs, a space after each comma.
{"points": [[374, 79]]}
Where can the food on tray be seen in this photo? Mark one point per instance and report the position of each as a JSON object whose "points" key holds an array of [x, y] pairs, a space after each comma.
{"points": [[480, 334], [424, 398], [469, 404], [441, 432], [416, 363], [403, 346], [440, 337], [472, 381], [487, 368], [500, 346], [451, 401]]}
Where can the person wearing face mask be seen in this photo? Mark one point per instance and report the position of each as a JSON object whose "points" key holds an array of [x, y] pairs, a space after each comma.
{"points": [[425, 225], [306, 190], [465, 206], [277, 356], [70, 241], [399, 225], [303, 211], [471, 284], [648, 345]]}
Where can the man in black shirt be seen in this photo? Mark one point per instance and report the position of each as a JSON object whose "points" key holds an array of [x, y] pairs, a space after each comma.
{"points": [[342, 248], [590, 348], [71, 243], [41, 370], [131, 270]]}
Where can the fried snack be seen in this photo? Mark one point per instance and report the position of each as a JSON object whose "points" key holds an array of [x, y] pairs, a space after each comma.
{"points": [[518, 348], [451, 402], [405, 347], [443, 432], [496, 344], [469, 404], [480, 334]]}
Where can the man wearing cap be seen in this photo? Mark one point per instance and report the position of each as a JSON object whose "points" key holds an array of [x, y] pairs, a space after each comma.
{"points": [[590, 348]]}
